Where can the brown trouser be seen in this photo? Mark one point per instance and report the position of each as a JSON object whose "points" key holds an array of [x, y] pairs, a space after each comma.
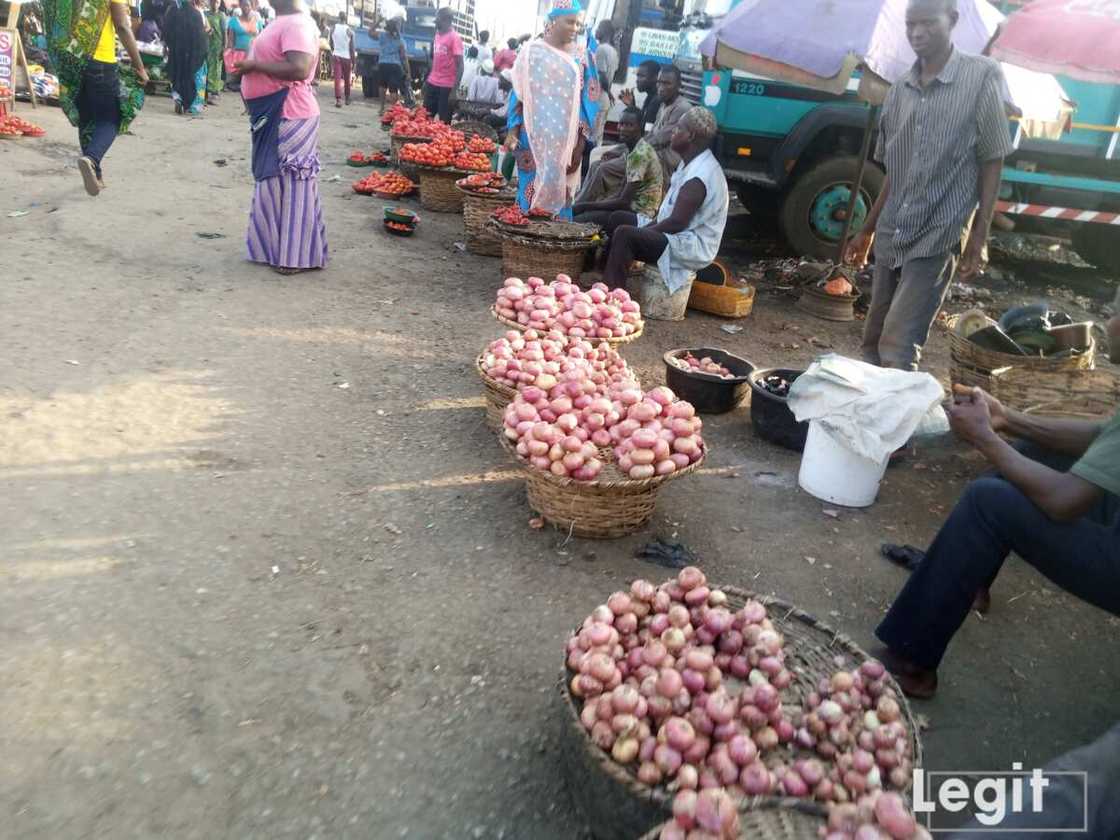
{"points": [[605, 178], [904, 303]]}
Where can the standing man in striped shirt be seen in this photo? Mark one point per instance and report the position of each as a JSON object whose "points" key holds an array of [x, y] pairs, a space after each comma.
{"points": [[943, 136]]}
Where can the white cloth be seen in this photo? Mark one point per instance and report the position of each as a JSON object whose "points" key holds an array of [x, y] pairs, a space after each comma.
{"points": [[470, 72], [869, 410], [484, 53], [484, 89], [340, 40], [697, 245]]}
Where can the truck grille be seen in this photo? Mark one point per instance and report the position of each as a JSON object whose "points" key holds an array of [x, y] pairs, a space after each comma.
{"points": [[692, 84]]}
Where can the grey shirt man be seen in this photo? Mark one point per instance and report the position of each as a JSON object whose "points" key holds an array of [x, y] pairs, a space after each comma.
{"points": [[932, 141], [668, 115]]}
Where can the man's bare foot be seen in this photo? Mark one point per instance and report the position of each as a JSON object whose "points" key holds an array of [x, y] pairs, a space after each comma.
{"points": [[917, 682], [983, 600]]}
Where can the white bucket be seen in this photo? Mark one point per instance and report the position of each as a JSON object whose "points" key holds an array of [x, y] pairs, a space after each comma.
{"points": [[835, 474]]}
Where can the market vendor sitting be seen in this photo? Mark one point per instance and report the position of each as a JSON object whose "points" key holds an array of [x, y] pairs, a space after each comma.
{"points": [[637, 202], [686, 234], [1054, 501]]}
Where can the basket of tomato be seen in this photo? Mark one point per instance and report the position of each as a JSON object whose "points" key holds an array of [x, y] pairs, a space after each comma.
{"points": [[399, 228]]}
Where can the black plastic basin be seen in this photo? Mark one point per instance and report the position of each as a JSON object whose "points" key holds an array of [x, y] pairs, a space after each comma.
{"points": [[770, 414], [709, 394]]}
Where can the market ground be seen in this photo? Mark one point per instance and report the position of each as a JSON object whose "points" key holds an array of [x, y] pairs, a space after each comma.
{"points": [[266, 573]]}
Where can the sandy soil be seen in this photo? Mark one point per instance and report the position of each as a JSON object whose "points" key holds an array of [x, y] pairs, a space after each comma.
{"points": [[266, 574]]}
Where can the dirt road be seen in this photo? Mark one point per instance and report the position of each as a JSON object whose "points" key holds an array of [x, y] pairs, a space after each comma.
{"points": [[264, 573]]}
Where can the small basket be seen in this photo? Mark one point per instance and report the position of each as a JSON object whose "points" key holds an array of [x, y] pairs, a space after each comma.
{"points": [[438, 191], [612, 506], [527, 256], [972, 364], [476, 128], [477, 208], [1091, 394], [725, 301], [626, 339], [618, 806], [498, 396], [786, 819]]}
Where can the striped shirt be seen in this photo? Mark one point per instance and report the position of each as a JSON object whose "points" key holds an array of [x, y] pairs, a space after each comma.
{"points": [[933, 141]]}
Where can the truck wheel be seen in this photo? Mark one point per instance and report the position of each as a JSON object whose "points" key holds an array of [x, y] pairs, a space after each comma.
{"points": [[369, 87], [1098, 244], [812, 214]]}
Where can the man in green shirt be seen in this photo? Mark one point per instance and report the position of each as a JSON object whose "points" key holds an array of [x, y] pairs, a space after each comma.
{"points": [[1053, 500], [640, 196]]}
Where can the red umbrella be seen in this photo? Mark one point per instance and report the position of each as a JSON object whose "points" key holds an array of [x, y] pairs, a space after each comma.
{"points": [[1076, 38]]}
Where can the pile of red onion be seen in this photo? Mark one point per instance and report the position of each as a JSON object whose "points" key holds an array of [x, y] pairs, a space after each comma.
{"points": [[690, 364], [532, 358], [876, 816], [710, 814], [652, 433], [689, 694], [561, 305]]}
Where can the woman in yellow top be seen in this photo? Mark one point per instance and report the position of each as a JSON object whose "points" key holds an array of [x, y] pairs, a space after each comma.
{"points": [[98, 96]]}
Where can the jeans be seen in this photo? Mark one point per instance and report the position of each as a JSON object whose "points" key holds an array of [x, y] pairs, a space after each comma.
{"points": [[340, 69], [904, 304], [99, 110], [437, 101], [992, 519], [628, 244]]}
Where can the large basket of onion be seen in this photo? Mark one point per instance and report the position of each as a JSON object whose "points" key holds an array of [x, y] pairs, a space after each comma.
{"points": [[599, 313], [595, 470], [688, 686], [547, 362]]}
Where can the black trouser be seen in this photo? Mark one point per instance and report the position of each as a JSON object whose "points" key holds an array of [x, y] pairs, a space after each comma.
{"points": [[99, 110], [437, 101], [608, 220], [992, 519], [631, 243]]}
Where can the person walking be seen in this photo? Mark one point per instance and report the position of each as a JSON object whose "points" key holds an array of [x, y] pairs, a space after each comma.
{"points": [[552, 109], [504, 59], [943, 136], [241, 30], [392, 63], [606, 63], [216, 20], [343, 57], [286, 226], [99, 97], [187, 44], [485, 51], [447, 68]]}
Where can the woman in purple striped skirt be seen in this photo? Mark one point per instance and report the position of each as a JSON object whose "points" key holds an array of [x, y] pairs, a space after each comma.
{"points": [[286, 228]]}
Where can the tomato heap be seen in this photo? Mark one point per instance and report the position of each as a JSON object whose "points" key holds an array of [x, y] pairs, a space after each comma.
{"points": [[472, 160], [483, 145], [511, 215], [357, 157], [397, 112], [398, 226], [13, 126], [387, 183], [378, 157], [426, 154], [487, 183]]}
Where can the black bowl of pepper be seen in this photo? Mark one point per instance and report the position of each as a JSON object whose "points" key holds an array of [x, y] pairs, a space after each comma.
{"points": [[770, 413]]}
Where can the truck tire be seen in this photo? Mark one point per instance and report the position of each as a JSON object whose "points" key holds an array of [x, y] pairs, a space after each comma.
{"points": [[811, 215], [761, 203], [369, 86], [1098, 245]]}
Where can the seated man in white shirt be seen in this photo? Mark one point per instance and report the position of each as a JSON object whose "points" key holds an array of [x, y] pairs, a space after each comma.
{"points": [[484, 87]]}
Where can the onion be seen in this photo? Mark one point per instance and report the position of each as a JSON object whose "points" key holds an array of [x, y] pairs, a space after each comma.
{"points": [[602, 735], [721, 708], [625, 750], [654, 653], [755, 779], [742, 750], [688, 777], [690, 577], [684, 808], [667, 759], [649, 773], [674, 639], [872, 669], [766, 697], [699, 750], [693, 681], [830, 712], [679, 733], [696, 597], [753, 612], [766, 738], [841, 681], [669, 683], [888, 709], [627, 623]]}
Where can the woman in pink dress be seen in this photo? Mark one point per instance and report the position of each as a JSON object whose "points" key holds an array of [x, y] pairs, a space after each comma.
{"points": [[286, 227]]}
